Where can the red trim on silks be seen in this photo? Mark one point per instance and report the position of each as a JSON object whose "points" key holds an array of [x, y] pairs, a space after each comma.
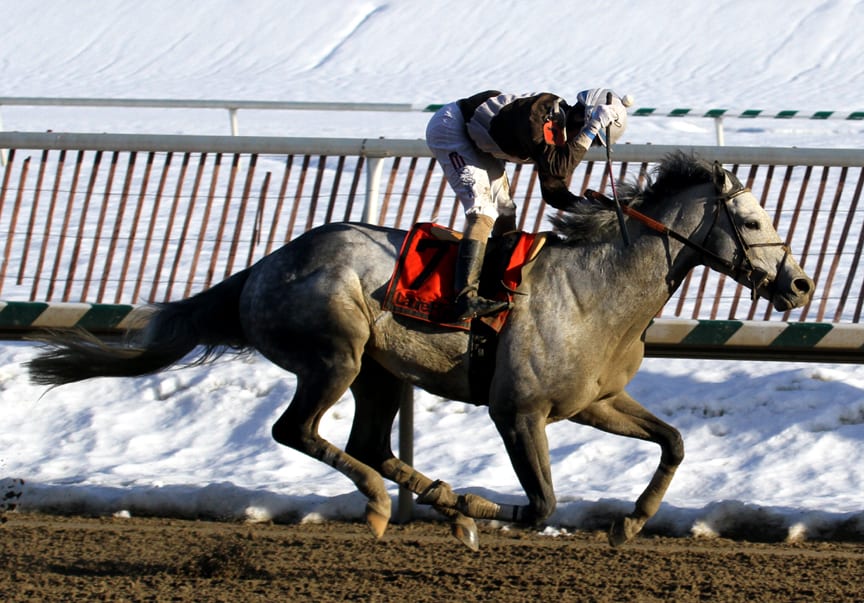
{"points": [[422, 283]]}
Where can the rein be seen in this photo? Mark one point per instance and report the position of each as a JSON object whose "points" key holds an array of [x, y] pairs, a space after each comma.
{"points": [[755, 276]]}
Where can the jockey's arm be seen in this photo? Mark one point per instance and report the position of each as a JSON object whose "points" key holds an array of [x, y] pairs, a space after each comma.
{"points": [[555, 166]]}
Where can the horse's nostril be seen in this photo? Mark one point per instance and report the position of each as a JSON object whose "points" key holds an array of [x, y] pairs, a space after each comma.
{"points": [[802, 285]]}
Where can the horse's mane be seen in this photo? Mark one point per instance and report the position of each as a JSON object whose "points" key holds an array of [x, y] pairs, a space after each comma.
{"points": [[592, 221]]}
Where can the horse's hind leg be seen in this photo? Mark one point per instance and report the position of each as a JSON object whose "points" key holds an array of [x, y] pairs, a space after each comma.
{"points": [[320, 386], [622, 415], [377, 395]]}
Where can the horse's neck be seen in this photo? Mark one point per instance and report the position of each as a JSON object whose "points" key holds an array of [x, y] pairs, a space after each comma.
{"points": [[658, 263], [637, 279]]}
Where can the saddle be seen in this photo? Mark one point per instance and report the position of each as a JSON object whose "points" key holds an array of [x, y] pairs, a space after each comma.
{"points": [[422, 283], [421, 288]]}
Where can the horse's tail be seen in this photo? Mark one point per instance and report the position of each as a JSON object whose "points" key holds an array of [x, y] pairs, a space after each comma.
{"points": [[209, 319]]}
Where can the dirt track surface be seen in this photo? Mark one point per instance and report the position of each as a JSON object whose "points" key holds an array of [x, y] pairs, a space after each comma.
{"points": [[53, 558]]}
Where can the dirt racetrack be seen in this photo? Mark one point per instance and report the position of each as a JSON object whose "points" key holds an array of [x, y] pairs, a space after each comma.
{"points": [[55, 558]]}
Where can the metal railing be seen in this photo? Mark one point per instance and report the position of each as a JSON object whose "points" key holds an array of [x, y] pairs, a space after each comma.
{"points": [[125, 219]]}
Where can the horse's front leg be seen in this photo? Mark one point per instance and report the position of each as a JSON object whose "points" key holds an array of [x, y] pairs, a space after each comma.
{"points": [[622, 415], [525, 439], [524, 436]]}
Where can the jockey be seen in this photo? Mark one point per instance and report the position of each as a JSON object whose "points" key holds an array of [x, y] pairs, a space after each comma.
{"points": [[472, 138]]}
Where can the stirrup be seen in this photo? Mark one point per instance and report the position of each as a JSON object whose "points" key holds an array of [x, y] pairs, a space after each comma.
{"points": [[472, 307]]}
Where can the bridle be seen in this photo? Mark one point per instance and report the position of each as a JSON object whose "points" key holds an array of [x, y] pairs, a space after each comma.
{"points": [[744, 267]]}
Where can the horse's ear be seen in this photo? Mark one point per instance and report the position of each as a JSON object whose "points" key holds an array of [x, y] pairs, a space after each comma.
{"points": [[720, 178]]}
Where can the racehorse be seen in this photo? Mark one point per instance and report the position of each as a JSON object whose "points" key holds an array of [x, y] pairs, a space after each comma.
{"points": [[572, 341]]}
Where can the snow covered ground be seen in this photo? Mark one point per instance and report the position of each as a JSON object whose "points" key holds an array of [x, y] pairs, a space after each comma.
{"points": [[776, 445]]}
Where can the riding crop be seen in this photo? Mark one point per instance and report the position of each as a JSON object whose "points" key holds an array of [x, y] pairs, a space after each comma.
{"points": [[618, 210]]}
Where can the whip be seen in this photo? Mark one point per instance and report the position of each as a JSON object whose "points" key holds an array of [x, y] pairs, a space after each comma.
{"points": [[624, 234]]}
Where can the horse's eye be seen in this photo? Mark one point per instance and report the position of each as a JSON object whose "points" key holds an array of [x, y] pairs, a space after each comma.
{"points": [[751, 225]]}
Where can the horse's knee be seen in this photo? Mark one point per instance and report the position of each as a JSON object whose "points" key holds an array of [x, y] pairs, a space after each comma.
{"points": [[673, 448], [281, 434], [291, 434]]}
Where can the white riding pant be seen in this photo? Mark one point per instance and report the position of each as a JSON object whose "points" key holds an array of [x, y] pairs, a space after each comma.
{"points": [[478, 178]]}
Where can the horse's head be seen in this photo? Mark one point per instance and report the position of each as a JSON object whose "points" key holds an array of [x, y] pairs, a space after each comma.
{"points": [[734, 235], [744, 244]]}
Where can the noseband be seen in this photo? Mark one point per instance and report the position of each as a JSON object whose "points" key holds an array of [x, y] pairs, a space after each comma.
{"points": [[742, 268]]}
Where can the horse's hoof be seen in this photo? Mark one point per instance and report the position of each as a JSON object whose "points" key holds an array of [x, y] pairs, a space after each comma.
{"points": [[465, 530], [377, 522], [378, 515], [624, 530]]}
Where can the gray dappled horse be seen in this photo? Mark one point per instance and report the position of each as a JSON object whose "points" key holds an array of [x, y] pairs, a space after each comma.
{"points": [[569, 348]]}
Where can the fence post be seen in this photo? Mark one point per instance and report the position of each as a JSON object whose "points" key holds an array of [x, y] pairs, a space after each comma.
{"points": [[718, 127], [405, 504], [374, 166], [2, 151], [235, 126]]}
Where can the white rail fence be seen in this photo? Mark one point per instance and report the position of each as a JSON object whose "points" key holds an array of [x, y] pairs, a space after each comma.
{"points": [[233, 106], [120, 219]]}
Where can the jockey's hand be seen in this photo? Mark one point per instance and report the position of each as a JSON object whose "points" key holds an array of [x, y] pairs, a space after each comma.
{"points": [[601, 117]]}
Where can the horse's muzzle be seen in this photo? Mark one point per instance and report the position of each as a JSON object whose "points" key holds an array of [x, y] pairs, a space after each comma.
{"points": [[795, 295]]}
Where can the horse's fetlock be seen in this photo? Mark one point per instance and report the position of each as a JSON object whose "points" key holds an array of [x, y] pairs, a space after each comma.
{"points": [[542, 510], [369, 481], [477, 506], [527, 515], [438, 494]]}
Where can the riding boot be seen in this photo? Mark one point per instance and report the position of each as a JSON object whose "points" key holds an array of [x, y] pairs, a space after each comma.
{"points": [[469, 265], [503, 225]]}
